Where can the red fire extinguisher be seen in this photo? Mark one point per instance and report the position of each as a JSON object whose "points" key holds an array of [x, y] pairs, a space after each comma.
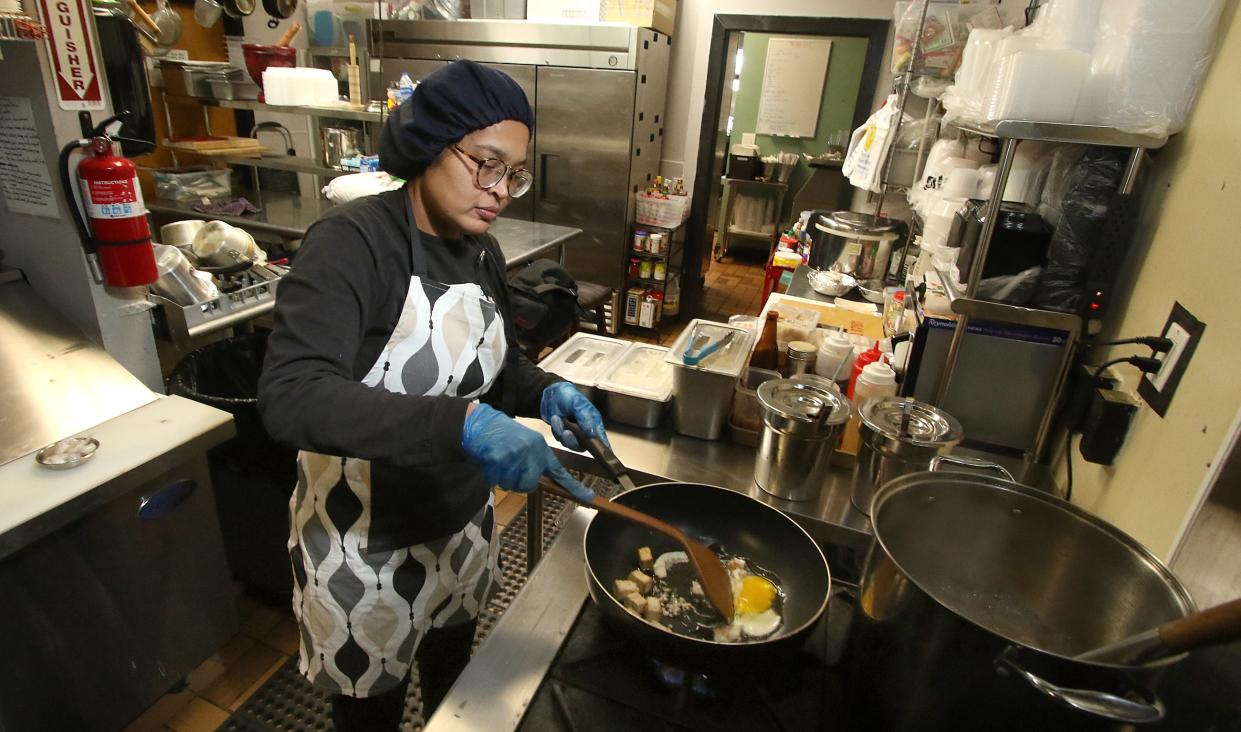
{"points": [[118, 230]]}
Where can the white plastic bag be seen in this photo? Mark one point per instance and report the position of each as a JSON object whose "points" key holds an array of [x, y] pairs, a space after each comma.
{"points": [[869, 147], [345, 188]]}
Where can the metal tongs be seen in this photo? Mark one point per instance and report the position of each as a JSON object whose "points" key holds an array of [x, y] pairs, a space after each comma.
{"points": [[699, 350]]}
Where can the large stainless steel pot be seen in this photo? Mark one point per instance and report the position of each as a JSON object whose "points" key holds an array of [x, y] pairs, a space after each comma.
{"points": [[802, 421], [976, 597], [856, 244]]}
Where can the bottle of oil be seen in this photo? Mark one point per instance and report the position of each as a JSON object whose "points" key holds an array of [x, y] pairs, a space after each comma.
{"points": [[767, 351]]}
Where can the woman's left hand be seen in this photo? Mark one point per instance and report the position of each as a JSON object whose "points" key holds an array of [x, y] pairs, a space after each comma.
{"points": [[561, 400]]}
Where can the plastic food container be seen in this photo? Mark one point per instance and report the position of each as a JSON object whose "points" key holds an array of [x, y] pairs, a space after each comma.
{"points": [[583, 359], [704, 391], [639, 386], [193, 184]]}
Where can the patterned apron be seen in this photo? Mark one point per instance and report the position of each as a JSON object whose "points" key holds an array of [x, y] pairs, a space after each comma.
{"points": [[362, 614]]}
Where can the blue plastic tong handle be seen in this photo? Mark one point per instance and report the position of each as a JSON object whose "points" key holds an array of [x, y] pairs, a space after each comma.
{"points": [[693, 359]]}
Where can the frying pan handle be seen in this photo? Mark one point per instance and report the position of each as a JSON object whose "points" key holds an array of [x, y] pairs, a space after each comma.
{"points": [[597, 449]]}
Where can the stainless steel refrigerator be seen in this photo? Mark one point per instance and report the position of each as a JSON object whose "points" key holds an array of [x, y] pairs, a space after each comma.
{"points": [[598, 91]]}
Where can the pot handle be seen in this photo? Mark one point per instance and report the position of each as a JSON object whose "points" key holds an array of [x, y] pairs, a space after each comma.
{"points": [[1096, 703], [970, 463]]}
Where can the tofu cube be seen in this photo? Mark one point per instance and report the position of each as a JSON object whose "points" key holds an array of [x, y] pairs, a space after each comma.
{"points": [[653, 611], [646, 560], [626, 587], [642, 580], [635, 603]]}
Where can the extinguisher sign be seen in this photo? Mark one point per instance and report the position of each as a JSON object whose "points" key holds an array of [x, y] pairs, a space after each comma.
{"points": [[73, 55]]}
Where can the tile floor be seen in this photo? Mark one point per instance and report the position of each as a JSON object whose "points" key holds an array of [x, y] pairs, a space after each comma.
{"points": [[268, 635]]}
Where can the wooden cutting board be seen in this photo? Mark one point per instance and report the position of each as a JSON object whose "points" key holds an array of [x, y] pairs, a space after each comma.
{"points": [[218, 146]]}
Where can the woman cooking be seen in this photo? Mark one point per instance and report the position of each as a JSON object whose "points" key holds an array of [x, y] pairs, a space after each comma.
{"points": [[393, 368]]}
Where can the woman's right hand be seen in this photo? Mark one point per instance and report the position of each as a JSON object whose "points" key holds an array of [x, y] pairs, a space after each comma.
{"points": [[512, 456]]}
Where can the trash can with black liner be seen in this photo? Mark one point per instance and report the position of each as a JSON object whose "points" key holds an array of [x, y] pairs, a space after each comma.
{"points": [[253, 476]]}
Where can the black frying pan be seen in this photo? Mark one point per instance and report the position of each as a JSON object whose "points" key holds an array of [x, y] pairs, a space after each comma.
{"points": [[722, 519]]}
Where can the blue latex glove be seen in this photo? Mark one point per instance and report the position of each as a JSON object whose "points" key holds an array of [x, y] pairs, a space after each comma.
{"points": [[514, 457], [562, 399]]}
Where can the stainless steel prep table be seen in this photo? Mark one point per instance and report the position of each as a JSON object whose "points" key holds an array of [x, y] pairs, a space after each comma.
{"points": [[289, 216], [497, 686]]}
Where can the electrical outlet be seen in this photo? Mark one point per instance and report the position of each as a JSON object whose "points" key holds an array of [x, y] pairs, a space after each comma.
{"points": [[1184, 330]]}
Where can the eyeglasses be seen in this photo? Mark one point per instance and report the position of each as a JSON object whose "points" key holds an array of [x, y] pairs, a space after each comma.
{"points": [[493, 170]]}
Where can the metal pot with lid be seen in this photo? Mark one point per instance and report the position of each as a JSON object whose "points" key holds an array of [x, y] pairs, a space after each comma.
{"points": [[900, 435], [802, 419], [980, 594], [853, 243]]}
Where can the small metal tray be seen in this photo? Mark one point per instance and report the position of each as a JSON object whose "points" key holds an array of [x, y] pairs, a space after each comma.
{"points": [[81, 450]]}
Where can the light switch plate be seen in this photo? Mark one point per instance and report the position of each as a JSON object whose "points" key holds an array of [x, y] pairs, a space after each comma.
{"points": [[1184, 330]]}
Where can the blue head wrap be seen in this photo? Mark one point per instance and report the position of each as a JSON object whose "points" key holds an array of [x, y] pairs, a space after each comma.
{"points": [[449, 104]]}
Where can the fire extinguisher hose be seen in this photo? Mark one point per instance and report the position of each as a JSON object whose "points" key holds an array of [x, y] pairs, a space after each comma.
{"points": [[66, 183]]}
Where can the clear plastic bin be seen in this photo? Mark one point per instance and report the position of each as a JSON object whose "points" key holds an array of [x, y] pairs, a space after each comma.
{"points": [[639, 386], [583, 359], [193, 184]]}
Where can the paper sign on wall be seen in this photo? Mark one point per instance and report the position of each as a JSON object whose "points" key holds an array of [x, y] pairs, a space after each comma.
{"points": [[24, 177], [73, 55], [793, 86]]}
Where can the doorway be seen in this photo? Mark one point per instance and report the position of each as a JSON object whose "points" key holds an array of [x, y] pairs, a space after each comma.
{"points": [[740, 220]]}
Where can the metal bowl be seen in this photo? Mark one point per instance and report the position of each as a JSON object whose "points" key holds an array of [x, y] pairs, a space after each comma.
{"points": [[832, 284], [872, 290], [180, 234], [78, 451]]}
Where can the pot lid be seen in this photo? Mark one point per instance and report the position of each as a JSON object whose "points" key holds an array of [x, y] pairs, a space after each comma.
{"points": [[804, 398], [857, 222], [926, 425]]}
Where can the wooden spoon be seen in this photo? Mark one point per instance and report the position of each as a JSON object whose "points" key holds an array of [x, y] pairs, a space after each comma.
{"points": [[144, 17], [715, 583], [1213, 626], [288, 36]]}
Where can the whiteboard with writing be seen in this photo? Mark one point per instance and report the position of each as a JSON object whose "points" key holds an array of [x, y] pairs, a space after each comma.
{"points": [[793, 86]]}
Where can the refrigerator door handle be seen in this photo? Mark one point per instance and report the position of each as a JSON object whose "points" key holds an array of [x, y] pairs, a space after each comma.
{"points": [[543, 160]]}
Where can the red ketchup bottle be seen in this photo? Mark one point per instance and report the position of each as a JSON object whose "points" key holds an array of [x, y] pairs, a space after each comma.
{"points": [[865, 357]]}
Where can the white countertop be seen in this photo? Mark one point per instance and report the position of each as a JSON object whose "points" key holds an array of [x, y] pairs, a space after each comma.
{"points": [[32, 497]]}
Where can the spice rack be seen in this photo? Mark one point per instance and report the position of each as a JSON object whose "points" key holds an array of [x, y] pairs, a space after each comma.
{"points": [[645, 292]]}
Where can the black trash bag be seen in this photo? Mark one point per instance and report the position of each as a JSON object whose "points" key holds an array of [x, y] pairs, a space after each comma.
{"points": [[544, 298], [225, 375], [1089, 189]]}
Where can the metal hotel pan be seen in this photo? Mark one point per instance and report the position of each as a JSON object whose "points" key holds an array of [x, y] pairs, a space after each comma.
{"points": [[718, 517]]}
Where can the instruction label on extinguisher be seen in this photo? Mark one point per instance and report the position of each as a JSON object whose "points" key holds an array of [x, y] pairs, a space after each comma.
{"points": [[73, 55], [113, 199]]}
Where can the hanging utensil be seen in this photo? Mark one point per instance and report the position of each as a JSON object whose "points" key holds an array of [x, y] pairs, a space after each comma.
{"points": [[239, 8], [169, 23], [1213, 626], [715, 583], [279, 10]]}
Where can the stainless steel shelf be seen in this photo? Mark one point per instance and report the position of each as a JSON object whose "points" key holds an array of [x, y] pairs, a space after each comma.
{"points": [[255, 106], [285, 162], [737, 231], [1064, 132], [332, 112], [1001, 313], [337, 51]]}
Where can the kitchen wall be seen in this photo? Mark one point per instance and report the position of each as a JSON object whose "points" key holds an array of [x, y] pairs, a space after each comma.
{"points": [[1187, 250], [691, 42], [840, 88]]}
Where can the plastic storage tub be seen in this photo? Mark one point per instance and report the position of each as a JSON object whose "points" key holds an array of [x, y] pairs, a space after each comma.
{"points": [[583, 359], [704, 392], [638, 386]]}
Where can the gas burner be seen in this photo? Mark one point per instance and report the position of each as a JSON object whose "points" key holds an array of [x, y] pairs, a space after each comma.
{"points": [[676, 679]]}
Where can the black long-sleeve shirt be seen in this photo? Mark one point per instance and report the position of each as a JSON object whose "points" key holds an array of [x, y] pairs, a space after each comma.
{"points": [[335, 312]]}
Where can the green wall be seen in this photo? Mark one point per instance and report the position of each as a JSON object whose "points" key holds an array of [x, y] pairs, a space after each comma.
{"points": [[840, 90]]}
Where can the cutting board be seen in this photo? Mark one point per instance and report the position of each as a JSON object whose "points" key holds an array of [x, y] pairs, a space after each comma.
{"points": [[218, 146]]}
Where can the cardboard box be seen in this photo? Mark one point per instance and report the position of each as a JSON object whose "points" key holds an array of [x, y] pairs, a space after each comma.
{"points": [[660, 15], [580, 11]]}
